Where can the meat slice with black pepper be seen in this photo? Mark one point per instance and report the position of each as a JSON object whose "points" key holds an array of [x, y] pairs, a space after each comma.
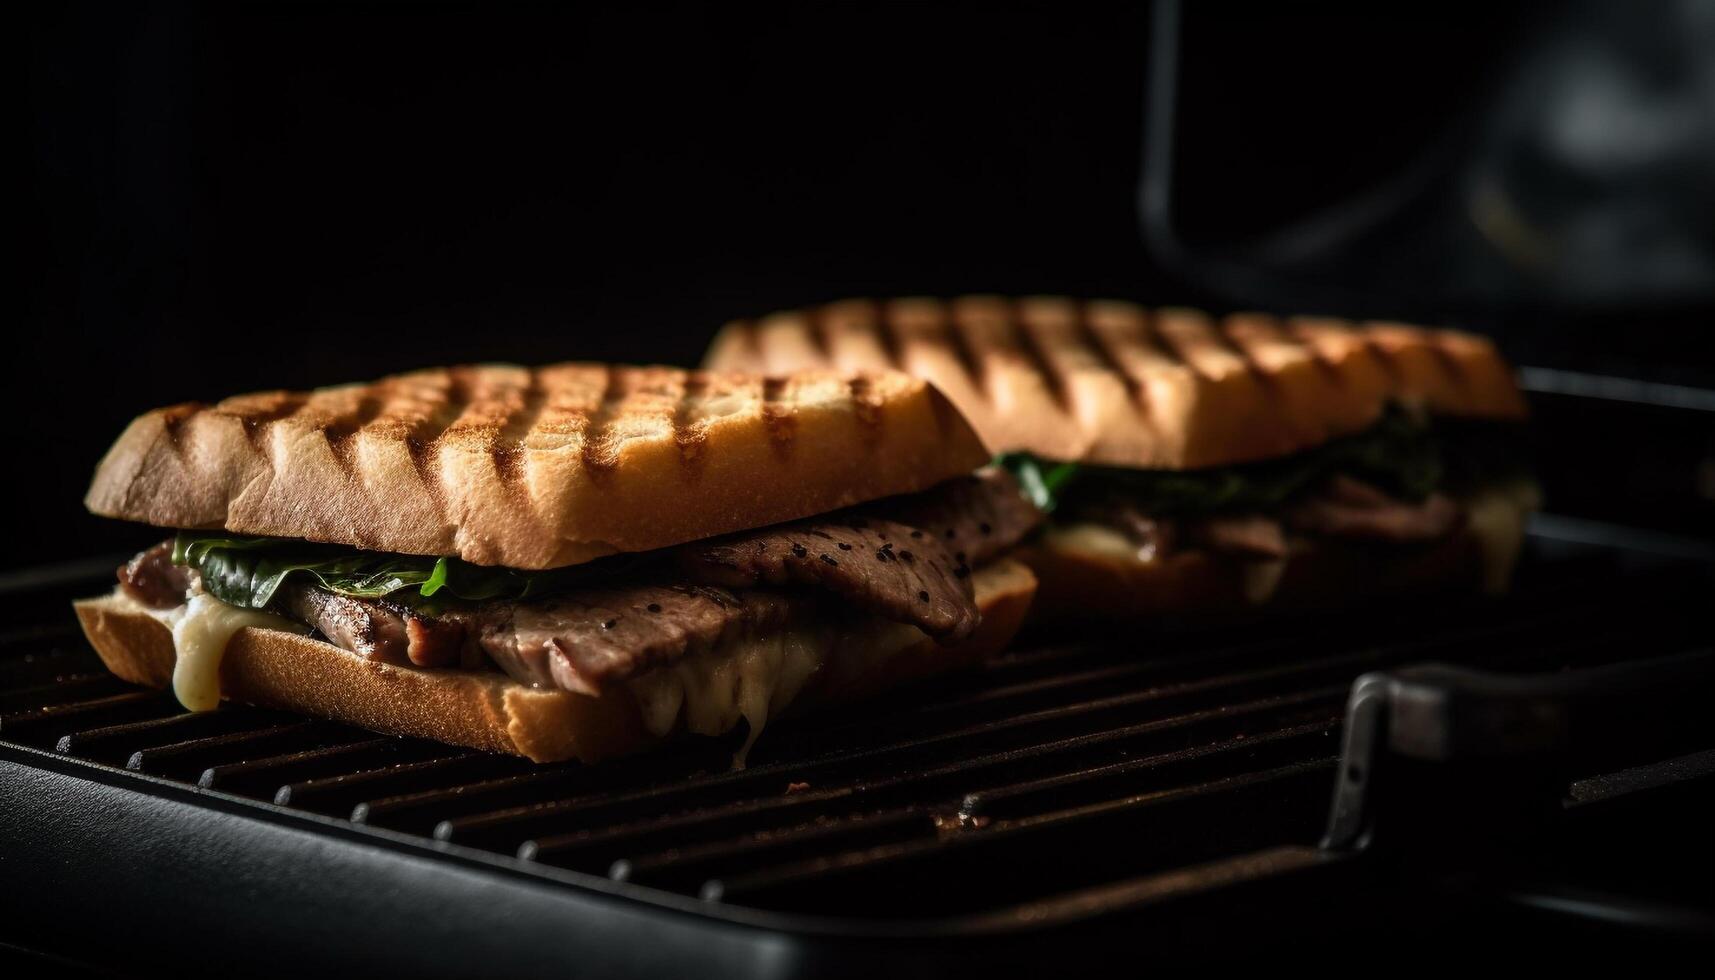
{"points": [[586, 640], [875, 565], [1349, 508], [975, 518], [152, 579]]}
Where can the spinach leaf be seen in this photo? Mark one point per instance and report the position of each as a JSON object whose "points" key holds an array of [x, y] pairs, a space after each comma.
{"points": [[1397, 453], [1041, 482], [248, 571]]}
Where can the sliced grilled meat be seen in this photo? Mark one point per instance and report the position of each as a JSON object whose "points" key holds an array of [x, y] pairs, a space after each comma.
{"points": [[374, 629], [1348, 508], [1242, 535], [152, 579], [975, 518], [873, 564], [585, 640]]}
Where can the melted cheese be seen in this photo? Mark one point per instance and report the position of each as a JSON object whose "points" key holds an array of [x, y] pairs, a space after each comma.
{"points": [[201, 629], [1497, 517], [1098, 539], [1260, 579], [756, 676]]}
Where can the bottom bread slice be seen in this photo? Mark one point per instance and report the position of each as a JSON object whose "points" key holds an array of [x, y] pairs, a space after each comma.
{"points": [[487, 709], [1199, 586]]}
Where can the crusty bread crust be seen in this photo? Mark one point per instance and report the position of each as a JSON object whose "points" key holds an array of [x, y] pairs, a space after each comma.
{"points": [[1199, 586], [1112, 383], [479, 709], [540, 468]]}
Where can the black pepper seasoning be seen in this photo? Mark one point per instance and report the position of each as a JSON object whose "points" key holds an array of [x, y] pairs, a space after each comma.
{"points": [[829, 559], [799, 551], [923, 594], [654, 607], [844, 546]]}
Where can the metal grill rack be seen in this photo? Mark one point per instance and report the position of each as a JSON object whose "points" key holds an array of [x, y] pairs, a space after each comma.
{"points": [[1068, 781]]}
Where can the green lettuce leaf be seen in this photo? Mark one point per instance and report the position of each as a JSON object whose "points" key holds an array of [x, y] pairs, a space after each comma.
{"points": [[1398, 453], [248, 571], [1041, 481]]}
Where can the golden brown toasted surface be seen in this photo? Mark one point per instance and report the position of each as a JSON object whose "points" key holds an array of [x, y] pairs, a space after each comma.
{"points": [[486, 709], [535, 468], [1113, 383]]}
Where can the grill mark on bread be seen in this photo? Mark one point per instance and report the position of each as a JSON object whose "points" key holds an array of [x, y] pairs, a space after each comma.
{"points": [[509, 448], [1090, 337], [1447, 359], [816, 331], [1223, 330], [1140, 341], [866, 405], [778, 414], [752, 338], [599, 454], [1035, 353], [1170, 345], [341, 433], [257, 422], [945, 326], [516, 429], [975, 368], [1390, 366], [173, 421], [423, 441], [1296, 329], [426, 460], [886, 327], [865, 318], [690, 436]]}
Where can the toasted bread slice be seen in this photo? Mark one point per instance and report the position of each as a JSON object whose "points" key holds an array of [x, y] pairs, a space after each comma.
{"points": [[535, 468], [486, 709], [1114, 384]]}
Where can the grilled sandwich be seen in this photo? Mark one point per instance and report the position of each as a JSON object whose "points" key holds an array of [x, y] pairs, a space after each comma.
{"points": [[572, 561], [1198, 465]]}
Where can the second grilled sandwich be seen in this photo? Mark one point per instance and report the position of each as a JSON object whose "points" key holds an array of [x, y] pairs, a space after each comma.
{"points": [[1198, 465]]}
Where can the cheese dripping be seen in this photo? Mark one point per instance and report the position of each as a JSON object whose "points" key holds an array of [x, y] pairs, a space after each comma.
{"points": [[1497, 517], [202, 628], [756, 676]]}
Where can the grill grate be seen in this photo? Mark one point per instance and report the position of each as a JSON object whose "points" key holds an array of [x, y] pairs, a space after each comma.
{"points": [[1070, 766]]}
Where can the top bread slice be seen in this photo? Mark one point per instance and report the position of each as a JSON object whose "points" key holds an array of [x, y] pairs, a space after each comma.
{"points": [[535, 468], [1111, 383]]}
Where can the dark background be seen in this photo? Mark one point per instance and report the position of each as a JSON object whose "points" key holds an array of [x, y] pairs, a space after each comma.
{"points": [[227, 197]]}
